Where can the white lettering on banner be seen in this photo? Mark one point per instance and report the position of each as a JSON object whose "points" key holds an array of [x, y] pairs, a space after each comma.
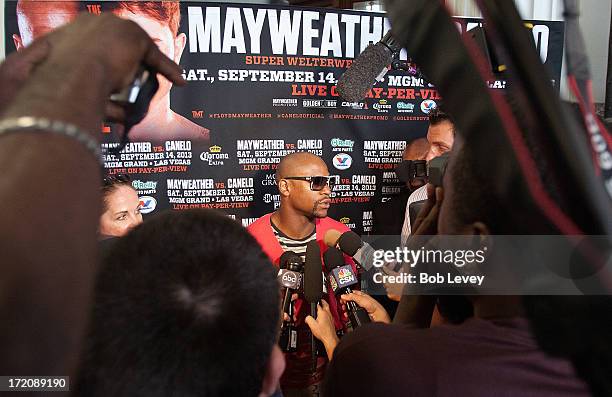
{"points": [[286, 28], [208, 34], [233, 35], [384, 145], [540, 37], [239, 182], [330, 38], [284, 76], [255, 25], [289, 28], [190, 183], [282, 38], [260, 144]]}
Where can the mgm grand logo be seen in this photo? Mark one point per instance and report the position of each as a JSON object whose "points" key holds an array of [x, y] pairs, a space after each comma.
{"points": [[214, 156]]}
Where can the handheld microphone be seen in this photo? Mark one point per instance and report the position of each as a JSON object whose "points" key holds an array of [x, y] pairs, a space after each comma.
{"points": [[290, 275], [313, 287], [351, 244], [369, 67], [341, 278], [290, 278]]}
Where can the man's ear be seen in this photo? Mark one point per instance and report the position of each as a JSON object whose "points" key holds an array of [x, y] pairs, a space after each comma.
{"points": [[18, 42], [179, 45], [274, 370], [283, 187]]}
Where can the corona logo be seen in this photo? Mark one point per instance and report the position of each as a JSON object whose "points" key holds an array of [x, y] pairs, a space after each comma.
{"points": [[345, 220], [215, 149]]}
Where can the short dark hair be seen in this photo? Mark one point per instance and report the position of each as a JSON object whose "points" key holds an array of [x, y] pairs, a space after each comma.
{"points": [[110, 183], [437, 115], [187, 304]]}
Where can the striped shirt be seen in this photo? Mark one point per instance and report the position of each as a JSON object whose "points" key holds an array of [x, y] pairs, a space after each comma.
{"points": [[289, 244], [418, 195]]}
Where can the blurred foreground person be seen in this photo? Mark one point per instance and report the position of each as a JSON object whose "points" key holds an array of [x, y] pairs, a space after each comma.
{"points": [[170, 315], [493, 353], [54, 98]]}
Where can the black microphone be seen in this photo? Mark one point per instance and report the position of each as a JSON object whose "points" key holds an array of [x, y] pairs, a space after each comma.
{"points": [[290, 275], [369, 67], [341, 278], [313, 286], [290, 278]]}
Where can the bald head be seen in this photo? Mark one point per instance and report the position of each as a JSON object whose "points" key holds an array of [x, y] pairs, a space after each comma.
{"points": [[294, 164], [416, 150], [37, 18]]}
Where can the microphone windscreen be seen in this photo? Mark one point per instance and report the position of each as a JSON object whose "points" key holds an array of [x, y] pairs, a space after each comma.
{"points": [[360, 77], [332, 258], [313, 277], [350, 242], [331, 237], [287, 257]]}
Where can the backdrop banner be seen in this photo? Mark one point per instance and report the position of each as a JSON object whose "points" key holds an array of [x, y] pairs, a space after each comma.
{"points": [[261, 85]]}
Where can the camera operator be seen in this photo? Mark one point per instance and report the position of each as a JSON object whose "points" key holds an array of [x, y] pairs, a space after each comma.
{"points": [[440, 136]]}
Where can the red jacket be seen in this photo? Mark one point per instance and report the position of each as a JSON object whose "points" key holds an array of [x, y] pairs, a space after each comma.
{"points": [[297, 374]]}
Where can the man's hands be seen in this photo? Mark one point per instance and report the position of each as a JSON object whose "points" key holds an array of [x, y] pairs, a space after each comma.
{"points": [[375, 310], [323, 328]]}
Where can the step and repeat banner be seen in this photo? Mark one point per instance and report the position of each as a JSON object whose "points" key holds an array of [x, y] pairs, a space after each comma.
{"points": [[261, 85]]}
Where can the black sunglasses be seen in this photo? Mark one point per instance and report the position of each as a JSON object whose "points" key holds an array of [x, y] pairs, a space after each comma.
{"points": [[317, 182], [109, 180]]}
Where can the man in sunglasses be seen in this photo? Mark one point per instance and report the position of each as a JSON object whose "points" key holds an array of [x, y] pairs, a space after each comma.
{"points": [[305, 187]]}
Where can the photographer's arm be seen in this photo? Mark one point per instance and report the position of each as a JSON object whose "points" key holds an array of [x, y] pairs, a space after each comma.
{"points": [[50, 187]]}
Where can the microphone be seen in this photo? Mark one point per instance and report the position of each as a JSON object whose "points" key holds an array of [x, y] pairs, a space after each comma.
{"points": [[341, 278], [313, 287], [369, 67], [351, 244], [290, 275], [290, 278]]}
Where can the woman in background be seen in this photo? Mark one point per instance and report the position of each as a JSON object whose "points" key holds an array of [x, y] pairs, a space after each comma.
{"points": [[120, 206]]}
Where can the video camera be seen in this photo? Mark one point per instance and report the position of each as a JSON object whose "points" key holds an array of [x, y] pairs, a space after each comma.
{"points": [[428, 172]]}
